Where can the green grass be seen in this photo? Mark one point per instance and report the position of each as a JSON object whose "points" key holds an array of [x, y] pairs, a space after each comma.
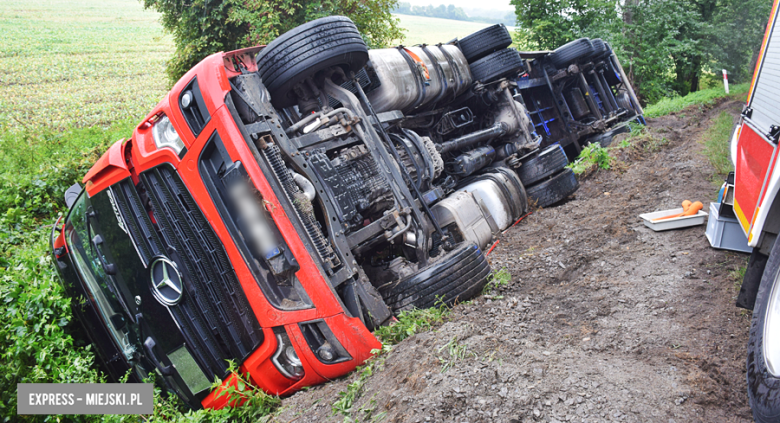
{"points": [[421, 29], [702, 97], [354, 390], [497, 279], [411, 322], [455, 353], [738, 275], [592, 155], [76, 76], [716, 143], [79, 63]]}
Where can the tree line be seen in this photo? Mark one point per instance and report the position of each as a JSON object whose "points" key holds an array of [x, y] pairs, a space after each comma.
{"points": [[667, 47], [204, 27], [450, 12]]}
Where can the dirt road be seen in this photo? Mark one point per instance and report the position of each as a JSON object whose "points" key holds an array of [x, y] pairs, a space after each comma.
{"points": [[603, 320]]}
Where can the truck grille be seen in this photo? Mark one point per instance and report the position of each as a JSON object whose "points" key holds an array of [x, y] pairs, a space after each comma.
{"points": [[214, 314]]}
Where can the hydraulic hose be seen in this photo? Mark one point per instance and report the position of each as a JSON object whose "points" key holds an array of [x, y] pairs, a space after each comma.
{"points": [[305, 185]]}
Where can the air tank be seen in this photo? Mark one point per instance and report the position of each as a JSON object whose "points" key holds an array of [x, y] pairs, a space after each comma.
{"points": [[404, 84], [472, 161]]}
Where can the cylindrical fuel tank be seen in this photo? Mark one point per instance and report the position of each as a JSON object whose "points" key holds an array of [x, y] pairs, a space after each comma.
{"points": [[448, 75], [502, 194]]}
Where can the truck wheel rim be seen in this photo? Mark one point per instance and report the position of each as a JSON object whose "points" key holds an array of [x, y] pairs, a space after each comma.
{"points": [[771, 342]]}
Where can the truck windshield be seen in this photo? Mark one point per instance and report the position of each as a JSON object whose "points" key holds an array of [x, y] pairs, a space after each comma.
{"points": [[79, 231]]}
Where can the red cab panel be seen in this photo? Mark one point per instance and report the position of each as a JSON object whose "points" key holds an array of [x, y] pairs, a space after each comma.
{"points": [[755, 155], [109, 169]]}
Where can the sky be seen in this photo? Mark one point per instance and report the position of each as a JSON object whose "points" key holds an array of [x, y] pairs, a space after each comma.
{"points": [[466, 4]]}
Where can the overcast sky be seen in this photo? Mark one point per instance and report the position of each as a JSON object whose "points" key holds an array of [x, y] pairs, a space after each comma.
{"points": [[466, 4]]}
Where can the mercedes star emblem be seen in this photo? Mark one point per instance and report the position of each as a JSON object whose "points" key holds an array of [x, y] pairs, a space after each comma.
{"points": [[166, 281]]}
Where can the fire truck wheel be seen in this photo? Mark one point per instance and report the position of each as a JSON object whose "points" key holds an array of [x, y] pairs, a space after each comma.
{"points": [[763, 358], [497, 65], [458, 276], [553, 190], [548, 162], [306, 50], [571, 52], [484, 42]]}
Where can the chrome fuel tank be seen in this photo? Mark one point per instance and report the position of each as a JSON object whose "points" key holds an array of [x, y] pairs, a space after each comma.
{"points": [[407, 85], [502, 194]]}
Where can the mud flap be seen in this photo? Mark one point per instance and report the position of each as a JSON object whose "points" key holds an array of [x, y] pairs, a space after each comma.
{"points": [[755, 270], [363, 301]]}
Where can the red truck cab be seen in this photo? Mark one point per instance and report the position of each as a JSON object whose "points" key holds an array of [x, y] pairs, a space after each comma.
{"points": [[210, 298]]}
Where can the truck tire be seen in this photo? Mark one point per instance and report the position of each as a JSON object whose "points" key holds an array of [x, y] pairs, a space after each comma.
{"points": [[624, 101], [763, 382], [497, 65], [570, 52], [548, 162], [457, 276], [553, 190], [303, 51], [605, 139], [484, 42], [599, 48]]}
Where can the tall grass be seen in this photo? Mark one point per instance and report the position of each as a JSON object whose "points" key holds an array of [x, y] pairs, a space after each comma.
{"points": [[703, 97], [716, 143], [79, 63], [99, 70]]}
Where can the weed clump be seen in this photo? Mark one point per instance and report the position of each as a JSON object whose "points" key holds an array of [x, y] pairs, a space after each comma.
{"points": [[592, 155]]}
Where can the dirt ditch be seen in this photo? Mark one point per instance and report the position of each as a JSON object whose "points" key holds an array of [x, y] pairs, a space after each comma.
{"points": [[603, 320]]}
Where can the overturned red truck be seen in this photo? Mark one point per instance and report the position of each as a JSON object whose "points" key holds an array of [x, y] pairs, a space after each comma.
{"points": [[283, 201]]}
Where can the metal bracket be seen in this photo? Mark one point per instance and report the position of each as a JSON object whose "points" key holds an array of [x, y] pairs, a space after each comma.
{"points": [[774, 134]]}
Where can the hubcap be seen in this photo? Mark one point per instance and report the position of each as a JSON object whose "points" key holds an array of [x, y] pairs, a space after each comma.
{"points": [[772, 330]]}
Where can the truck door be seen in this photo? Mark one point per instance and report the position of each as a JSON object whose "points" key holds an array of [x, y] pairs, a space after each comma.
{"points": [[756, 152]]}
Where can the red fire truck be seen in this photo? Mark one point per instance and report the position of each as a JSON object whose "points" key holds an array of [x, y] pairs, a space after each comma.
{"points": [[756, 204]]}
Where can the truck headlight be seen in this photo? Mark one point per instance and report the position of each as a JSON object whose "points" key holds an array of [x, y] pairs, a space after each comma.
{"points": [[285, 358], [165, 135]]}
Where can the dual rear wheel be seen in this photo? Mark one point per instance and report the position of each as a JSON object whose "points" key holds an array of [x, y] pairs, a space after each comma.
{"points": [[546, 179]]}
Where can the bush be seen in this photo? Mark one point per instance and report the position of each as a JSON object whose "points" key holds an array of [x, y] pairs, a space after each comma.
{"points": [[201, 28], [34, 345], [592, 155]]}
